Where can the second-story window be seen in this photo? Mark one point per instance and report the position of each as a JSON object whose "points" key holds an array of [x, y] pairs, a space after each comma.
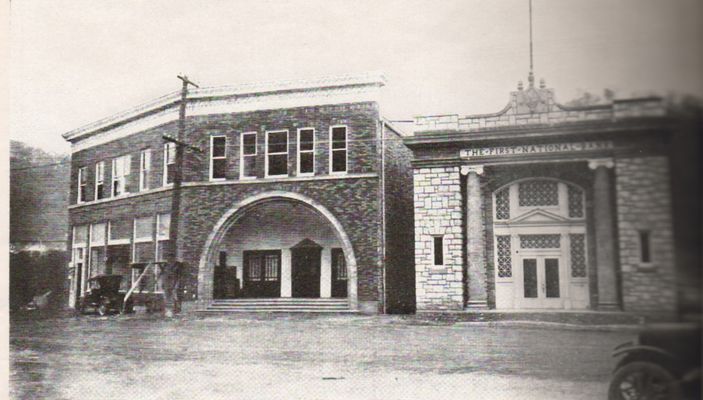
{"points": [[247, 147], [338, 150], [218, 157], [144, 168], [100, 180], [306, 151], [169, 162], [82, 184], [277, 153], [120, 174]]}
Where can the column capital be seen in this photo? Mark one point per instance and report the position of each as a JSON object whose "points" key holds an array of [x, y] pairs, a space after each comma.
{"points": [[466, 169], [594, 163]]}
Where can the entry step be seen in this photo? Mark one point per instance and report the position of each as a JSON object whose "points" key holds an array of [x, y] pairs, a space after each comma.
{"points": [[284, 305]]}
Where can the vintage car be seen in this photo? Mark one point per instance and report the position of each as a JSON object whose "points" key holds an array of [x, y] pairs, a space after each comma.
{"points": [[662, 362], [103, 295]]}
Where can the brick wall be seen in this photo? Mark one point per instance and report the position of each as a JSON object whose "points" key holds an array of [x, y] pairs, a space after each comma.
{"points": [[438, 212], [644, 204], [400, 241]]}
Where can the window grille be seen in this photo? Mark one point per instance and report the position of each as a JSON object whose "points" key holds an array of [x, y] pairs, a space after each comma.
{"points": [[575, 196], [341, 264], [503, 204], [538, 193], [505, 267], [271, 268], [578, 255], [540, 241], [255, 268]]}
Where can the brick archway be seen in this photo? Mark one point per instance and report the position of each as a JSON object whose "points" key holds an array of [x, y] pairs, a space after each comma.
{"points": [[230, 218]]}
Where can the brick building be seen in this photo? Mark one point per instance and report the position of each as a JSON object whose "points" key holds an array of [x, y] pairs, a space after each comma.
{"points": [[288, 189], [545, 206]]}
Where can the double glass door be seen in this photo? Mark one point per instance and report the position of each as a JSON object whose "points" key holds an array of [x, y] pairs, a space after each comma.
{"points": [[541, 287]]}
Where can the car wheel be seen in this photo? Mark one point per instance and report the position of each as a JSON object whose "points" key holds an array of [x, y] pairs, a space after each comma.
{"points": [[103, 308], [641, 380]]}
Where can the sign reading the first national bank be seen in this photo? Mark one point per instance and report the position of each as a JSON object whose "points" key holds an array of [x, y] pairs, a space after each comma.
{"points": [[526, 149]]}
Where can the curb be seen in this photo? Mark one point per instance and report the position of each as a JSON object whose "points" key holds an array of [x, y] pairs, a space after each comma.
{"points": [[555, 325]]}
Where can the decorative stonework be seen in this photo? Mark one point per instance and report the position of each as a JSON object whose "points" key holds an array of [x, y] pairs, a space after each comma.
{"points": [[438, 211]]}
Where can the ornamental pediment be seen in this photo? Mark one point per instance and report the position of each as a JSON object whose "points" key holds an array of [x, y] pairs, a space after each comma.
{"points": [[538, 216]]}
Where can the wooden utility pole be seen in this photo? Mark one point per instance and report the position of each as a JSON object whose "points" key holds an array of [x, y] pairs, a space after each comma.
{"points": [[172, 272]]}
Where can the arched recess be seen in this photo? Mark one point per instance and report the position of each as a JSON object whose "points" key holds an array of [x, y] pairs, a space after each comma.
{"points": [[209, 253]]}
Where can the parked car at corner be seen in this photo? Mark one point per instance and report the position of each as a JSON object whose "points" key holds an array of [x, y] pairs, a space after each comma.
{"points": [[662, 362], [103, 295]]}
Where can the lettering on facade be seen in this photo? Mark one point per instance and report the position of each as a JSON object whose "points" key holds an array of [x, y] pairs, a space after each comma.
{"points": [[536, 149]]}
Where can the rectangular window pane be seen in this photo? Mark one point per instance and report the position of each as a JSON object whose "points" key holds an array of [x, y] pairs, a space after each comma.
{"points": [[307, 139], [306, 163], [97, 234], [218, 146], [645, 255], [339, 161], [249, 166], [80, 234], [143, 252], [164, 225], [551, 274], [144, 167], [97, 261], [218, 168], [163, 250], [278, 164], [529, 276], [254, 268], [120, 229], [271, 271], [144, 228], [249, 144], [339, 138], [278, 142], [438, 250]]}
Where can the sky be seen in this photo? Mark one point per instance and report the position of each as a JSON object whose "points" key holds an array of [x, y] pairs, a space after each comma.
{"points": [[74, 62]]}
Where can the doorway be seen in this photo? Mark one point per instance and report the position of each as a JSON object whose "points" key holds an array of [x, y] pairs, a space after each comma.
{"points": [[306, 263], [262, 273], [540, 279]]}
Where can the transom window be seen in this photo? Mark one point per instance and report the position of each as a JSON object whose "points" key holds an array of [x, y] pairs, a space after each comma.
{"points": [[538, 193], [248, 155], [120, 174], [306, 151], [338, 156], [277, 153], [540, 241], [218, 157]]}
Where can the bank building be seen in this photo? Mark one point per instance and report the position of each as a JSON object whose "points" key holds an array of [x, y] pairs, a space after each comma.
{"points": [[542, 206]]}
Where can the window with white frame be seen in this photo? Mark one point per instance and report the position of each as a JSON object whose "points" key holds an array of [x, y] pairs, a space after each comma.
{"points": [[306, 151], [97, 249], [143, 240], [163, 227], [82, 184], [338, 149], [100, 180], [218, 157], [120, 174], [144, 168], [79, 244], [169, 162], [247, 169], [277, 153]]}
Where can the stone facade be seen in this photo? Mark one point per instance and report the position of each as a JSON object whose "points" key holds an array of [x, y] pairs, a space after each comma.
{"points": [[644, 205], [438, 213]]}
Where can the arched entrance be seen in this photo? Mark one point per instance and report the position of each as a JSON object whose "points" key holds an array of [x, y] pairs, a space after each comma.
{"points": [[274, 243], [540, 255]]}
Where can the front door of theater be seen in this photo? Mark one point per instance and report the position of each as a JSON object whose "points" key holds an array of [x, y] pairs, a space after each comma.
{"points": [[306, 264], [262, 273], [540, 277]]}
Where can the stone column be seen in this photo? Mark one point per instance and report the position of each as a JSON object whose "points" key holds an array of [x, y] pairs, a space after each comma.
{"points": [[475, 246], [605, 236]]}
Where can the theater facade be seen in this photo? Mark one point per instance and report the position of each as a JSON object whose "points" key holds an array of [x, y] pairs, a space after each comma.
{"points": [[542, 206]]}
